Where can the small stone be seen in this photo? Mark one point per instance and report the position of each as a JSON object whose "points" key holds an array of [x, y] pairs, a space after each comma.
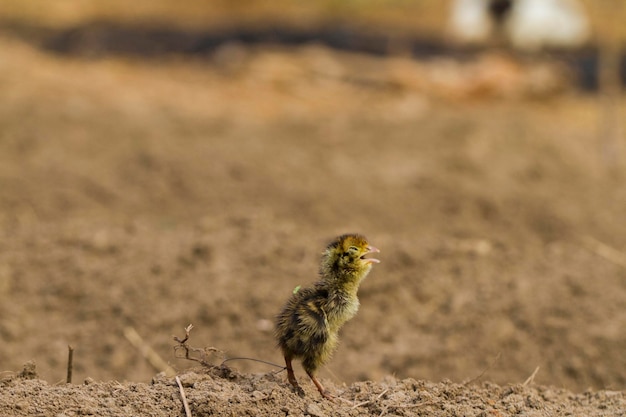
{"points": [[258, 395], [314, 410], [22, 406]]}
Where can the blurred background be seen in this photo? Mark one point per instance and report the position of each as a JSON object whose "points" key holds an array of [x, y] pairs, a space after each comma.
{"points": [[165, 163]]}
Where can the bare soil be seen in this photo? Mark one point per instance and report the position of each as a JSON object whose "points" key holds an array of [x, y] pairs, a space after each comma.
{"points": [[149, 194], [222, 392]]}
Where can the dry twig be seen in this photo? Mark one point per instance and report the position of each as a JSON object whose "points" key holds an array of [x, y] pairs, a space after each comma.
{"points": [[370, 401], [476, 378], [531, 378], [201, 354], [70, 363], [184, 397], [151, 356], [187, 330]]}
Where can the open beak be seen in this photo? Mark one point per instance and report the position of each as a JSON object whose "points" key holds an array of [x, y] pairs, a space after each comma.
{"points": [[371, 249]]}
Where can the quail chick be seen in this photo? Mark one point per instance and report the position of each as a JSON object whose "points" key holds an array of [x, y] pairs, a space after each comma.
{"points": [[307, 327]]}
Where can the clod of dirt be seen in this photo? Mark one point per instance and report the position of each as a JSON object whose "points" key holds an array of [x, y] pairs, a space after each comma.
{"points": [[29, 371]]}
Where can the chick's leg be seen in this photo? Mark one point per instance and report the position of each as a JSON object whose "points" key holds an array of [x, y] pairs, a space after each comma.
{"points": [[319, 386], [292, 377]]}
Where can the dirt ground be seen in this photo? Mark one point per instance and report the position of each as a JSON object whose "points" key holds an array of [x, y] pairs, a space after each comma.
{"points": [[138, 196], [224, 392]]}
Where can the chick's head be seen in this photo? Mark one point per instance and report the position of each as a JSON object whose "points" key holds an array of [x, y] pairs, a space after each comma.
{"points": [[345, 258]]}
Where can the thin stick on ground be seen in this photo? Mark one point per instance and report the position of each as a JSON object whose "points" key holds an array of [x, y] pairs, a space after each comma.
{"points": [[242, 358], [496, 359], [187, 331], [531, 378], [70, 363], [151, 356], [361, 404], [183, 396], [201, 355]]}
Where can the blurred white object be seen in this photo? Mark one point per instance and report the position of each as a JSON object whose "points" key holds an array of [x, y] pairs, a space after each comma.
{"points": [[527, 24], [470, 21], [534, 24]]}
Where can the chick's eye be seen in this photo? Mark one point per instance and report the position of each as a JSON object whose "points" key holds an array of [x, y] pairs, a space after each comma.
{"points": [[353, 249]]}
